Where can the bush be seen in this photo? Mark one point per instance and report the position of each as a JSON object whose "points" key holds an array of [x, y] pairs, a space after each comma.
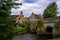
{"points": [[20, 30], [5, 31]]}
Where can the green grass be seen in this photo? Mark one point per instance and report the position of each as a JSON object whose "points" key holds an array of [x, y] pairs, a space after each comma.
{"points": [[20, 30]]}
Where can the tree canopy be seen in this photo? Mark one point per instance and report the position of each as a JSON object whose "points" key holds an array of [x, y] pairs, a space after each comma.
{"points": [[38, 23], [5, 18], [50, 11]]}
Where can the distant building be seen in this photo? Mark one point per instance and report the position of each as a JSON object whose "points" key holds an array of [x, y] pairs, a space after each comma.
{"points": [[34, 17], [21, 18], [32, 20]]}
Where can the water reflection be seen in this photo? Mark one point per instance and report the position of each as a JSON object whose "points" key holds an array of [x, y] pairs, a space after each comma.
{"points": [[29, 37]]}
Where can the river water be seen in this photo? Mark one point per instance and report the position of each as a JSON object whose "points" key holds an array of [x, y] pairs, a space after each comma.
{"points": [[28, 36]]}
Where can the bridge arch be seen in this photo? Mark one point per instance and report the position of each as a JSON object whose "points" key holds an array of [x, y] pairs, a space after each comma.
{"points": [[49, 29]]}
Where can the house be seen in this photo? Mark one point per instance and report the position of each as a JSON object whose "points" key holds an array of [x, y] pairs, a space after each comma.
{"points": [[34, 17], [32, 20], [21, 18]]}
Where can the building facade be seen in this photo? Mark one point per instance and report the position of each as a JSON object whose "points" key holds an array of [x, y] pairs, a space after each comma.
{"points": [[21, 18]]}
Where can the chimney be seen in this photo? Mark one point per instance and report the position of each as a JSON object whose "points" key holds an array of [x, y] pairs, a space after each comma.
{"points": [[32, 12], [21, 12]]}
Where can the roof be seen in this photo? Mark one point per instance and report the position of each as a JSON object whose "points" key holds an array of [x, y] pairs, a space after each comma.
{"points": [[36, 16], [14, 16], [47, 20]]}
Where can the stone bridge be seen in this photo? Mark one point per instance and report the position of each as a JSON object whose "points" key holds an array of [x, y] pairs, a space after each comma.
{"points": [[48, 26]]}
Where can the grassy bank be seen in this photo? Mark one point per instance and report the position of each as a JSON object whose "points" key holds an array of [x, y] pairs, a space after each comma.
{"points": [[20, 30]]}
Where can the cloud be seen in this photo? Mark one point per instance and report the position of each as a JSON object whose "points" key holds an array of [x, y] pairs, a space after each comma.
{"points": [[36, 6]]}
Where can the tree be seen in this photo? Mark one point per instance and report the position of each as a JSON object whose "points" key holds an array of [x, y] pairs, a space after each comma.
{"points": [[50, 11], [27, 24], [38, 23], [5, 18]]}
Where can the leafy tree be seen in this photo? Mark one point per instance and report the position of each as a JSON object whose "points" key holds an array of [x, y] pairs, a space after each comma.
{"points": [[38, 23], [58, 25], [25, 24], [5, 18], [50, 11]]}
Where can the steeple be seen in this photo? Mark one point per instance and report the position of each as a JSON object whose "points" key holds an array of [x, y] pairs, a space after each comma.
{"points": [[21, 13], [32, 13]]}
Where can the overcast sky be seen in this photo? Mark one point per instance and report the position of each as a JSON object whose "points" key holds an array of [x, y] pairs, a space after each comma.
{"points": [[36, 6]]}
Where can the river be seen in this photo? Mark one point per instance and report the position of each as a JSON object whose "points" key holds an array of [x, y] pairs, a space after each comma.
{"points": [[28, 36]]}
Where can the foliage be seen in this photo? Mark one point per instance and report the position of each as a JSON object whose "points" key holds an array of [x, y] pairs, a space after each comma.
{"points": [[8, 4], [38, 23], [50, 11], [20, 30], [5, 27], [27, 24], [57, 25], [24, 24], [14, 23], [5, 19]]}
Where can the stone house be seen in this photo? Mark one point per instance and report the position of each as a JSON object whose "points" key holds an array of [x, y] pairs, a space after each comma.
{"points": [[32, 20], [19, 18], [34, 17]]}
